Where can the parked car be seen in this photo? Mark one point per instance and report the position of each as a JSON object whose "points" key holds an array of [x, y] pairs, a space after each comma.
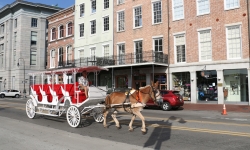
{"points": [[10, 93], [171, 100]]}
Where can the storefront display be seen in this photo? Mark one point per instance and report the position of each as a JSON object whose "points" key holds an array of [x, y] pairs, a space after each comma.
{"points": [[181, 82], [235, 85]]}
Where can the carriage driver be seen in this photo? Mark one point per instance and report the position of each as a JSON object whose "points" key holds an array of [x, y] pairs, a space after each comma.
{"points": [[84, 83]]}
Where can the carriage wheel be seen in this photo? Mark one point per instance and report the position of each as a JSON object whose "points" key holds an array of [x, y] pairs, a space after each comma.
{"points": [[73, 116], [30, 109], [98, 117]]}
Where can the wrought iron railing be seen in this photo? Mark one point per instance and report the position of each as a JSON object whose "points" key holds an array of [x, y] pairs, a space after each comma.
{"points": [[124, 59], [66, 64]]}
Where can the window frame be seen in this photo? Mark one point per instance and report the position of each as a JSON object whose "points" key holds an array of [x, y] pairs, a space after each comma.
{"points": [[235, 7], [153, 18], [105, 4], [105, 25], [173, 12], [34, 22], [82, 9], [92, 29], [134, 17], [122, 20], [81, 32], [69, 60], [123, 60], [60, 57], [93, 6], [175, 47], [198, 8], [140, 59], [227, 41], [68, 28], [199, 44], [34, 54], [31, 38], [119, 2], [53, 33], [60, 31], [52, 58]]}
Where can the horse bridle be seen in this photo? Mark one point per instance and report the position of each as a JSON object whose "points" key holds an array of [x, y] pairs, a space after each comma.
{"points": [[149, 93]]}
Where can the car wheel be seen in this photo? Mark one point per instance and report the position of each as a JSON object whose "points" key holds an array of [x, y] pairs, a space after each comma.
{"points": [[2, 95], [166, 106], [16, 96]]}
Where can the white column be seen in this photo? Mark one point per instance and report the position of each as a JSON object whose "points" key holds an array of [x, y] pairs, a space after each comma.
{"points": [[248, 75], [220, 80], [193, 83]]}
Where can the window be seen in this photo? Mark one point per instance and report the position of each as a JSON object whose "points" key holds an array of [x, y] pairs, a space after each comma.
{"points": [[14, 58], [106, 4], [53, 34], [1, 60], [81, 26], [33, 22], [33, 38], [60, 56], [61, 31], [138, 51], [157, 12], [93, 26], [180, 48], [231, 4], [15, 23], [120, 2], [93, 6], [70, 27], [205, 45], [92, 50], [106, 50], [106, 23], [14, 44], [137, 17], [178, 9], [121, 53], [52, 58], [234, 42], [121, 21], [33, 57], [203, 7], [1, 47], [69, 55], [158, 47], [82, 9], [1, 28]]}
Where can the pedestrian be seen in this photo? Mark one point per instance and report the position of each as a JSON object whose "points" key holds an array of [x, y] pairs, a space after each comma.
{"points": [[84, 83]]}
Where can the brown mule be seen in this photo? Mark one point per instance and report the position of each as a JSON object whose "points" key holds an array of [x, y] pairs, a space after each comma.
{"points": [[134, 103]]}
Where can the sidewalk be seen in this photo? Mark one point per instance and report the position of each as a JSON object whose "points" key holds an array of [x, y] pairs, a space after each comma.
{"points": [[217, 107]]}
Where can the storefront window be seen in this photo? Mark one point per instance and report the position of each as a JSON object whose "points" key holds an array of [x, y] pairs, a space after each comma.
{"points": [[181, 82], [122, 82], [162, 80], [207, 85], [235, 85]]}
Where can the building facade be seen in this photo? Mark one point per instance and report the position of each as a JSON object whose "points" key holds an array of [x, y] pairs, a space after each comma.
{"points": [[23, 41], [60, 51], [209, 50], [94, 34], [140, 43]]}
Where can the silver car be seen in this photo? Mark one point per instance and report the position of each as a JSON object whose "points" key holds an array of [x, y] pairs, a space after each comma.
{"points": [[10, 93]]}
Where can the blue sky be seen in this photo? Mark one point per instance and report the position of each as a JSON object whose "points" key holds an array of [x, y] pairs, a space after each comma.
{"points": [[61, 3]]}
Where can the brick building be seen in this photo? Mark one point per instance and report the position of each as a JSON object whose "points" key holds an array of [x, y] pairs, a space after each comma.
{"points": [[209, 50], [60, 51]]}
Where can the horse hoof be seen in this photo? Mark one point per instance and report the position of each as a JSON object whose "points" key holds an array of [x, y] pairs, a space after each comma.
{"points": [[118, 127], [106, 127], [131, 130], [143, 133]]}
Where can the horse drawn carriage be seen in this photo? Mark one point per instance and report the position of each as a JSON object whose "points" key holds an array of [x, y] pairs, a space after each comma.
{"points": [[56, 99]]}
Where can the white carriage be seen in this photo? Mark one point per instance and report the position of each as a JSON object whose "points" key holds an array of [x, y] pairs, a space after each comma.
{"points": [[57, 99]]}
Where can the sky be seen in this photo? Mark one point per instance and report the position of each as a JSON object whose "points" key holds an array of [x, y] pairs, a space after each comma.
{"points": [[60, 3]]}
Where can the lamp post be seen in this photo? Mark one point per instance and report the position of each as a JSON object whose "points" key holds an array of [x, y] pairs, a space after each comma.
{"points": [[24, 90]]}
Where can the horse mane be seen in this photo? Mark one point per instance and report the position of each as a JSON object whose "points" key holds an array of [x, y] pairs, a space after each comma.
{"points": [[142, 88]]}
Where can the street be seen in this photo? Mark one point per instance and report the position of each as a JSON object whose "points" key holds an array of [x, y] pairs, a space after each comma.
{"points": [[175, 130]]}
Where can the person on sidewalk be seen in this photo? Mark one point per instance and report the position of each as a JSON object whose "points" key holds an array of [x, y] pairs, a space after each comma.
{"points": [[84, 83]]}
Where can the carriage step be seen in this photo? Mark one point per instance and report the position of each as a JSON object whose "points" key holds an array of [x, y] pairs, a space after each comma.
{"points": [[46, 114], [43, 108]]}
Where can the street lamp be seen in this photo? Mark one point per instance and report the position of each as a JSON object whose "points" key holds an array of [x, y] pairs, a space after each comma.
{"points": [[24, 90]]}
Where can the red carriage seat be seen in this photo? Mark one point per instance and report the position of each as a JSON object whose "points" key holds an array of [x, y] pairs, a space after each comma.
{"points": [[71, 89]]}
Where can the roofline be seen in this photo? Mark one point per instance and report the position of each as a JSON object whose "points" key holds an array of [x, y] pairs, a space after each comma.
{"points": [[17, 2], [61, 12]]}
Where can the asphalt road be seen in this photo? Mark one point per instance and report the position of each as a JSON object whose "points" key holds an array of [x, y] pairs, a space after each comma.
{"points": [[174, 130]]}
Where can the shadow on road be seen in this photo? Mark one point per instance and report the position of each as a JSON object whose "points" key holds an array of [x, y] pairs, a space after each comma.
{"points": [[161, 132]]}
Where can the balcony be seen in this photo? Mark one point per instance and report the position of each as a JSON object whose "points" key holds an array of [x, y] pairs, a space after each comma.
{"points": [[65, 64], [124, 59]]}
